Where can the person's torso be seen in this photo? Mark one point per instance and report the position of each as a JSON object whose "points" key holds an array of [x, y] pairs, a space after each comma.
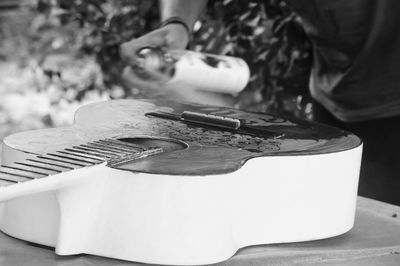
{"points": [[356, 55]]}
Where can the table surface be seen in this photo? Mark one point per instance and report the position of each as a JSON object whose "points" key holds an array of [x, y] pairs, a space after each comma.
{"points": [[374, 240]]}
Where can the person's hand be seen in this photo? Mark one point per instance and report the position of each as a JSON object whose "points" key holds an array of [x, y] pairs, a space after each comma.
{"points": [[171, 36]]}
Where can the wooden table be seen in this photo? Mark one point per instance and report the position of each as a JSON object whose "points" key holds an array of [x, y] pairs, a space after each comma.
{"points": [[374, 240]]}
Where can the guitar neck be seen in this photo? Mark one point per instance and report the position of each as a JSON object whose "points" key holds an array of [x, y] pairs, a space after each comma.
{"points": [[111, 151]]}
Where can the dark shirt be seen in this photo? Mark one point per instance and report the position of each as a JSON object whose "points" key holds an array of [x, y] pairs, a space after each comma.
{"points": [[356, 56]]}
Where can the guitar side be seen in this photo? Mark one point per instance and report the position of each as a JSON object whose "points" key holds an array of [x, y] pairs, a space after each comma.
{"points": [[184, 216]]}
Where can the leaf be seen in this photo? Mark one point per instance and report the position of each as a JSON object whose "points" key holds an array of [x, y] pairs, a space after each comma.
{"points": [[248, 31]]}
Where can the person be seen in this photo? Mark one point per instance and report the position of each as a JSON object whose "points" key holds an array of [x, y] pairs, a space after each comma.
{"points": [[355, 79]]}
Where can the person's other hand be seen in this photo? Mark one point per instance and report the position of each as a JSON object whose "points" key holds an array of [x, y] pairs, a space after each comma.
{"points": [[171, 36]]}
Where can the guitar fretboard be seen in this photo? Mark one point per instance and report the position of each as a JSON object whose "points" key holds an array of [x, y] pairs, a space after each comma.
{"points": [[112, 151]]}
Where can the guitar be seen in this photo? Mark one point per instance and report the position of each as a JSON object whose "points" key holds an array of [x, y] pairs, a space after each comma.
{"points": [[172, 183]]}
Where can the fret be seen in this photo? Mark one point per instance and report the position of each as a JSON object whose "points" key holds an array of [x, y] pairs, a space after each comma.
{"points": [[27, 169], [121, 143], [72, 158], [47, 167], [108, 147], [16, 175], [81, 154], [93, 152], [21, 172], [59, 160], [136, 156], [5, 183], [9, 178], [50, 163]]}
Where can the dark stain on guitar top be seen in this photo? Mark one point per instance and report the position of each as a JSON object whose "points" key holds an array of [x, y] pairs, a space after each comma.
{"points": [[214, 150]]}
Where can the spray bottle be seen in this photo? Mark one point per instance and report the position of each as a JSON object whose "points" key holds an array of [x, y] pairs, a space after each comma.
{"points": [[206, 72]]}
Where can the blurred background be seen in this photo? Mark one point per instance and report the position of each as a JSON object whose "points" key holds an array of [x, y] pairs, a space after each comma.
{"points": [[56, 55]]}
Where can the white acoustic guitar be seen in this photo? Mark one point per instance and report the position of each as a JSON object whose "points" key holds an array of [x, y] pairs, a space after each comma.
{"points": [[168, 183]]}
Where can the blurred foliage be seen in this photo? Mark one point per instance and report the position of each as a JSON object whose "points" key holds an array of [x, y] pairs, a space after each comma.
{"points": [[266, 33], [102, 25], [43, 79]]}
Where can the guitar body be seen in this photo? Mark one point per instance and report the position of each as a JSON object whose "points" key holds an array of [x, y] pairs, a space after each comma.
{"points": [[167, 191]]}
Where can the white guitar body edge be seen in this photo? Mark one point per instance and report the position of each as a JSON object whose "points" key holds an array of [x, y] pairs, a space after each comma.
{"points": [[182, 220]]}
